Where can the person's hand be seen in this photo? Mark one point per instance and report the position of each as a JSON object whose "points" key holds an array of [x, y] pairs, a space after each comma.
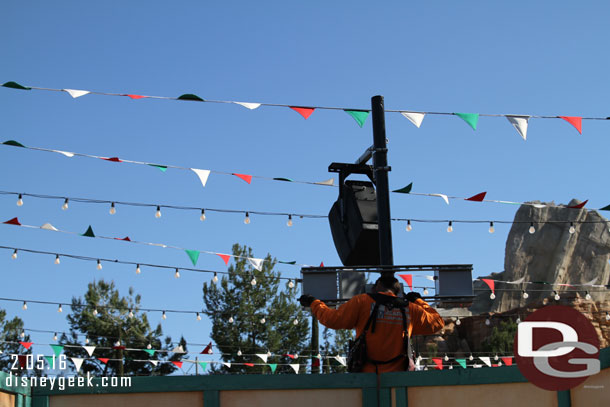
{"points": [[306, 300], [412, 296]]}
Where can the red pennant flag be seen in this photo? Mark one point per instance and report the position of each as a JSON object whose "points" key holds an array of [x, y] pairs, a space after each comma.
{"points": [[438, 362], [289, 355], [126, 238], [408, 279], [321, 264], [225, 258], [574, 121], [103, 360], [477, 197], [315, 362], [490, 283], [245, 177], [26, 344], [579, 206], [136, 96], [179, 364], [119, 347], [303, 111], [249, 364], [13, 221], [508, 361], [23, 360], [113, 159], [495, 365], [207, 350]]}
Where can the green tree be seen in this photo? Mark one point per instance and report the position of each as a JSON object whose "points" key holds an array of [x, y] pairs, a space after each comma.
{"points": [[501, 339], [111, 322], [237, 308], [335, 342], [10, 336]]}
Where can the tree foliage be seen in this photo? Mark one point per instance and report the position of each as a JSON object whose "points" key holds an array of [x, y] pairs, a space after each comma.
{"points": [[335, 342], [10, 336], [501, 339], [103, 317], [235, 298]]}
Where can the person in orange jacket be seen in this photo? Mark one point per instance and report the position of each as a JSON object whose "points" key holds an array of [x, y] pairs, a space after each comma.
{"points": [[385, 346]]}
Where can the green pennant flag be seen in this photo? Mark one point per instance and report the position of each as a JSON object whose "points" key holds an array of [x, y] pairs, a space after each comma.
{"points": [[287, 262], [273, 366], [358, 115], [161, 167], [405, 190], [151, 352], [57, 349], [462, 362], [193, 255], [50, 360], [190, 96], [13, 143], [283, 179], [15, 85], [605, 208], [470, 118], [203, 365], [89, 232]]}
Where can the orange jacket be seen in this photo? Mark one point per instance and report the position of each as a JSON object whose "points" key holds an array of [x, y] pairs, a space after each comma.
{"points": [[387, 341]]}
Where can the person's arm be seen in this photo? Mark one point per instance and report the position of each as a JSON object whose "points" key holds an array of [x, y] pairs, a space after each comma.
{"points": [[345, 317], [424, 319]]}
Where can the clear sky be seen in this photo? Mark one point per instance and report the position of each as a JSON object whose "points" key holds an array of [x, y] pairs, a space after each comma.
{"points": [[518, 57]]}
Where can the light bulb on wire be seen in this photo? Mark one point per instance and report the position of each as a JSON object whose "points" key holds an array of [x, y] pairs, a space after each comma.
{"points": [[158, 212], [290, 284], [289, 223], [55, 336], [95, 311], [450, 227], [56, 259], [587, 296], [607, 317], [239, 352], [532, 229], [215, 278], [572, 228], [525, 294], [99, 265], [24, 306], [471, 358], [253, 281], [247, 218], [130, 315], [20, 200], [198, 317], [22, 334], [112, 210], [557, 297], [163, 315], [231, 320], [263, 320], [60, 309], [518, 320], [487, 322], [446, 358], [295, 322], [491, 227], [458, 322], [492, 296], [138, 271], [86, 341], [409, 227], [65, 205], [177, 274], [425, 291], [202, 216], [14, 255], [149, 346]]}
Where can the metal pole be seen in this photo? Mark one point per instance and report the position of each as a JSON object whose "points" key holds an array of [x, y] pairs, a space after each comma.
{"points": [[315, 343], [381, 169]]}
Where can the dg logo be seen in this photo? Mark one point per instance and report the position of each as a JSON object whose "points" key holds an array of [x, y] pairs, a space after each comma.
{"points": [[557, 348]]}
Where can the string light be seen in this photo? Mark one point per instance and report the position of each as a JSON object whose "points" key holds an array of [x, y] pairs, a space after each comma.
{"points": [[158, 213], [95, 311], [202, 217], [55, 336], [518, 320], [117, 343], [425, 291], [557, 297], [607, 317], [263, 320], [295, 322], [450, 227], [247, 218], [20, 200], [149, 346], [198, 317], [99, 265], [532, 229], [253, 281], [239, 352], [65, 205], [163, 315], [112, 210], [487, 321], [177, 274], [492, 296], [138, 271], [409, 227], [290, 284], [587, 295], [572, 228], [22, 334], [289, 223], [491, 227], [60, 309], [25, 305], [215, 278], [86, 341], [458, 322], [14, 255], [446, 358], [525, 294], [57, 259], [231, 320], [130, 315], [471, 358]]}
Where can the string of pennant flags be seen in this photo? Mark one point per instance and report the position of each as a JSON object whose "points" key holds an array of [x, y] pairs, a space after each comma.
{"points": [[193, 255], [203, 175], [519, 122]]}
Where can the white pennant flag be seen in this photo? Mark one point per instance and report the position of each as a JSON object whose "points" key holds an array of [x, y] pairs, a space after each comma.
{"points": [[341, 360], [486, 360], [295, 367], [227, 364], [202, 174], [415, 118], [263, 356], [75, 93], [78, 362], [330, 181], [48, 226], [256, 263], [178, 349], [445, 198], [520, 123], [519, 281], [591, 282], [250, 106], [89, 349], [66, 153], [154, 362]]}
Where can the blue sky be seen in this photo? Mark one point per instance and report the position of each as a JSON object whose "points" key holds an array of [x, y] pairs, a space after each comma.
{"points": [[533, 58]]}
